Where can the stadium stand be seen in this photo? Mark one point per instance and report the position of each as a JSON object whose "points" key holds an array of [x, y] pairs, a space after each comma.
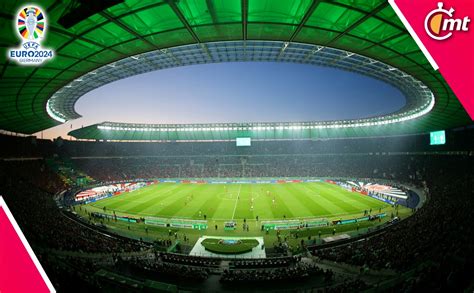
{"points": [[432, 247]]}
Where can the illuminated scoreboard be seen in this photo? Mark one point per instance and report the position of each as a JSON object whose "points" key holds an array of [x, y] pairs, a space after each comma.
{"points": [[437, 137], [243, 141]]}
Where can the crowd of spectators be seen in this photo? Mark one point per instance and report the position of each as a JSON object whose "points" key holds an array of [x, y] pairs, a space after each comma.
{"points": [[439, 233], [190, 260], [296, 272], [397, 167], [265, 262], [16, 146], [172, 270], [26, 187], [356, 285]]}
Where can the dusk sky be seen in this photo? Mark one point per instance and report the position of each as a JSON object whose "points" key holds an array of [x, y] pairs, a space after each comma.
{"points": [[235, 92]]}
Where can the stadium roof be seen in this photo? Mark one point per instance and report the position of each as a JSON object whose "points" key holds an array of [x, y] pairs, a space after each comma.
{"points": [[113, 41], [419, 98]]}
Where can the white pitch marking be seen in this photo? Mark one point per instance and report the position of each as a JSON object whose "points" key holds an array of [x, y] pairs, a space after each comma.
{"points": [[236, 201]]}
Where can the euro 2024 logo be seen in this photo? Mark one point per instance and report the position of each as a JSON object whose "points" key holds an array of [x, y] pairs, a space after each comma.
{"points": [[31, 27], [440, 23]]}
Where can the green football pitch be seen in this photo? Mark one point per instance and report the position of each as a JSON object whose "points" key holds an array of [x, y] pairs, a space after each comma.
{"points": [[223, 202]]}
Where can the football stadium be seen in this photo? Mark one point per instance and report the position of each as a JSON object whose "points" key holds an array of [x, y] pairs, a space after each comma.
{"points": [[377, 202]]}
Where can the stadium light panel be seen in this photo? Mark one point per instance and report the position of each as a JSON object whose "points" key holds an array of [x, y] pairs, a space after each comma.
{"points": [[390, 119], [51, 113]]}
